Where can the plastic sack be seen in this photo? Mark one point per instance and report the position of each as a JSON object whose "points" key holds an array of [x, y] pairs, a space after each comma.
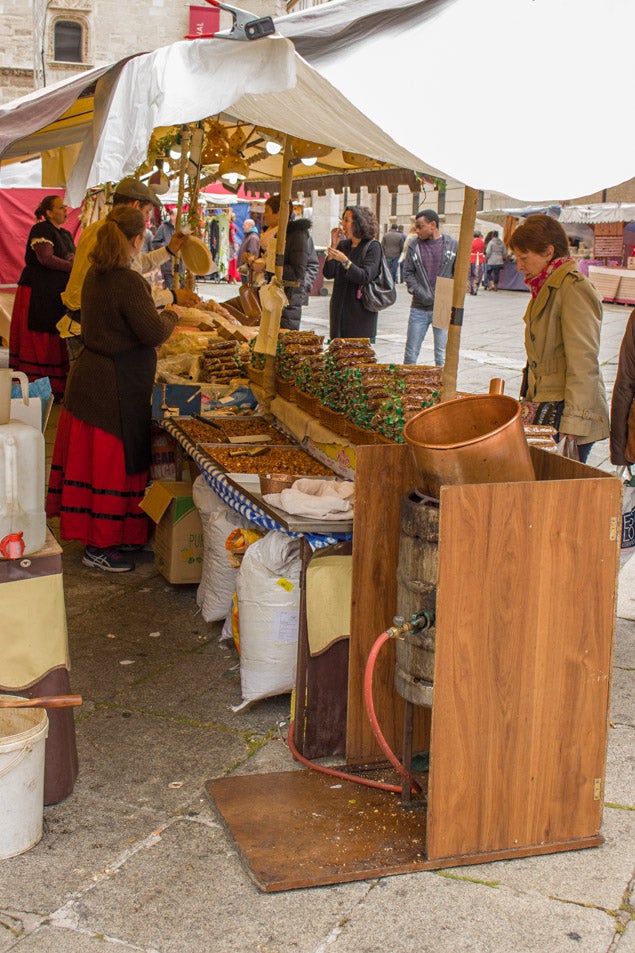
{"points": [[268, 591], [218, 577], [39, 388], [568, 448], [179, 368]]}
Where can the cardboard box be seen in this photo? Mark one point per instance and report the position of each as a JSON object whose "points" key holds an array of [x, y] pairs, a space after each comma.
{"points": [[178, 538]]}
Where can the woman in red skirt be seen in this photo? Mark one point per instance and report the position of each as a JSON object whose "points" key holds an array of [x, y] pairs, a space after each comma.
{"points": [[35, 347], [102, 449]]}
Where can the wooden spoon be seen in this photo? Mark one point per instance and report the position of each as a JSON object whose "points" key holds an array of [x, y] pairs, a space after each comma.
{"points": [[256, 452], [48, 701]]}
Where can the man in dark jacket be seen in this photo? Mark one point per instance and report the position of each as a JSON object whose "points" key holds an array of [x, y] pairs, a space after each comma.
{"points": [[431, 256]]}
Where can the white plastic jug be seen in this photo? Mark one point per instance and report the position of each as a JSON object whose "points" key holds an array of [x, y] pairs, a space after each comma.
{"points": [[22, 515]]}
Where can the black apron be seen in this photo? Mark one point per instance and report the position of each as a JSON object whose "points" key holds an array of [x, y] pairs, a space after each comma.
{"points": [[135, 371]]}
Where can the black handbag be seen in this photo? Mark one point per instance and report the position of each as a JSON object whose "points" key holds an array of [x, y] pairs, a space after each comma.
{"points": [[380, 293]]}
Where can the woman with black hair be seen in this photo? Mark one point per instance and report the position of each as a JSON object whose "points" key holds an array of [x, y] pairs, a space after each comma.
{"points": [[35, 346], [296, 258], [353, 260]]}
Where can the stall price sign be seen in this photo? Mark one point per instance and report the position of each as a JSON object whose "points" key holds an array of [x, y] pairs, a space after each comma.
{"points": [[609, 240]]}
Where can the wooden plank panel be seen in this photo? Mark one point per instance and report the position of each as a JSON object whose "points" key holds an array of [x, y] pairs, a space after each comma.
{"points": [[553, 466], [525, 622], [322, 831], [382, 475]]}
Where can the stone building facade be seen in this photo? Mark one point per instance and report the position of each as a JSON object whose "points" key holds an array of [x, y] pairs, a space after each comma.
{"points": [[49, 40]]}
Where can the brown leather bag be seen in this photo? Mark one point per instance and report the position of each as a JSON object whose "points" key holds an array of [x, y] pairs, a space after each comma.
{"points": [[249, 300], [629, 452]]}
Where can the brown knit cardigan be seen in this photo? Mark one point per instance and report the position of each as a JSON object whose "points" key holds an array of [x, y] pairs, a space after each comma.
{"points": [[118, 315]]}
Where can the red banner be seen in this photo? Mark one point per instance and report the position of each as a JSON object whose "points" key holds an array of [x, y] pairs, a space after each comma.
{"points": [[16, 213], [204, 20]]}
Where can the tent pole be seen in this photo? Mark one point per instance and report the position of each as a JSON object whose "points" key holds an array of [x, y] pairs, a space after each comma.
{"points": [[186, 137], [285, 197], [269, 374], [461, 269]]}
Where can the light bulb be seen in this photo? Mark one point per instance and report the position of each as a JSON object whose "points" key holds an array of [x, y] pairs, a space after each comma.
{"points": [[231, 177], [273, 148], [310, 161]]}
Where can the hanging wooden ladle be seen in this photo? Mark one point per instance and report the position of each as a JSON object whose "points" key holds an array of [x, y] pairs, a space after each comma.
{"points": [[47, 701]]}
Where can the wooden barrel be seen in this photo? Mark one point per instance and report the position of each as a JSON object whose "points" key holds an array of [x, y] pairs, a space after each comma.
{"points": [[417, 571]]}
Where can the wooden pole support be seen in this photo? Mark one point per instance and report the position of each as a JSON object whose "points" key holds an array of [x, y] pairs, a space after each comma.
{"points": [[461, 268]]}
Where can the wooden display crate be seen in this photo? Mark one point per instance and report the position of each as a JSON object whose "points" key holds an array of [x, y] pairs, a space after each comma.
{"points": [[517, 732]]}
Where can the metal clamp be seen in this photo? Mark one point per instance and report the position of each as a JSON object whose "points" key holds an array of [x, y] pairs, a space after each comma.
{"points": [[244, 25]]}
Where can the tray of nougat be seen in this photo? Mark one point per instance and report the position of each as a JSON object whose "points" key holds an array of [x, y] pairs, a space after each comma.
{"points": [[232, 430], [245, 458]]}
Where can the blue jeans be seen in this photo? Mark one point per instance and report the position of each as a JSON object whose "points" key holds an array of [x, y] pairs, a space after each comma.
{"points": [[393, 267], [418, 323]]}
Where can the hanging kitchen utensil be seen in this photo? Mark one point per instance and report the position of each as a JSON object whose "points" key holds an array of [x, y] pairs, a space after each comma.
{"points": [[249, 300], [255, 452], [47, 701]]}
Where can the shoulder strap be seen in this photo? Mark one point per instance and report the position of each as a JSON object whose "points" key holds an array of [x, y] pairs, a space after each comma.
{"points": [[368, 246]]}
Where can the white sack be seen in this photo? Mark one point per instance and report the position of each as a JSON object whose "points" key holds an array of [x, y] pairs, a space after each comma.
{"points": [[218, 578], [268, 589]]}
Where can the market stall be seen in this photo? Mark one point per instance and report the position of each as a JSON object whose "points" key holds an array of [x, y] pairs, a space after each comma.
{"points": [[349, 415], [610, 261]]}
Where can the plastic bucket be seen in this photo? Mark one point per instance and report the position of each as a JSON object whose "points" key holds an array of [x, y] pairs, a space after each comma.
{"points": [[476, 439], [23, 734]]}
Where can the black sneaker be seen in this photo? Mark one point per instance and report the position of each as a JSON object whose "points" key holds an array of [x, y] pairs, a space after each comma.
{"points": [[131, 547], [108, 560]]}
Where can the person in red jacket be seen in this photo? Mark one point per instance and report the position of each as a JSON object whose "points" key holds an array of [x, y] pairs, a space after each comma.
{"points": [[477, 262]]}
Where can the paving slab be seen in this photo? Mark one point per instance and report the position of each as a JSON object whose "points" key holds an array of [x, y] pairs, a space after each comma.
{"points": [[598, 876], [50, 940], [202, 902], [446, 913]]}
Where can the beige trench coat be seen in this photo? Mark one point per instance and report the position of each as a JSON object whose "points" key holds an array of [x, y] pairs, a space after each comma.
{"points": [[562, 341]]}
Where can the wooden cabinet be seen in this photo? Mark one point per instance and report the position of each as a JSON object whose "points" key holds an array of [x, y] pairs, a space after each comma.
{"points": [[517, 732]]}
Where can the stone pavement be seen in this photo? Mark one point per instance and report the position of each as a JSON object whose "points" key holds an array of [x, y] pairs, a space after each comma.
{"points": [[136, 859]]}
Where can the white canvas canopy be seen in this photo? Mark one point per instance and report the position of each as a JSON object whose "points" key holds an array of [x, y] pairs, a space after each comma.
{"points": [[262, 82], [552, 122]]}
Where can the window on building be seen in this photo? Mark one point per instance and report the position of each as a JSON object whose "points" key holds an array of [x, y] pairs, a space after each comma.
{"points": [[68, 42]]}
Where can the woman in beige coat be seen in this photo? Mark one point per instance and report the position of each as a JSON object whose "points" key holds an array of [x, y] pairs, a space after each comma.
{"points": [[562, 335]]}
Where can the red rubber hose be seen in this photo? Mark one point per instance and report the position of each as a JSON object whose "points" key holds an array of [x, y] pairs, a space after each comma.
{"points": [[370, 709], [372, 717], [393, 788]]}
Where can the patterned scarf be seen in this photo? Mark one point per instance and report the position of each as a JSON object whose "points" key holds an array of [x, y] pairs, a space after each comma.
{"points": [[535, 284]]}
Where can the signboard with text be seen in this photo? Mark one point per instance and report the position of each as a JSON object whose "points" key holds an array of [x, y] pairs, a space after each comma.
{"points": [[204, 20]]}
